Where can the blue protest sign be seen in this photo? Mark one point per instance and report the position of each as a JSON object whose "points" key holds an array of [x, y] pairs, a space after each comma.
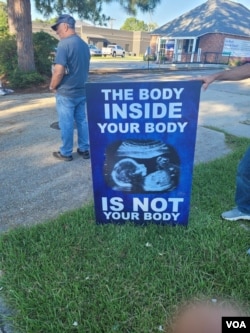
{"points": [[142, 142]]}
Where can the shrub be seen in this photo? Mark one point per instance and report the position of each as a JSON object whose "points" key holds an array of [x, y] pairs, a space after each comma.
{"points": [[8, 55], [20, 79], [44, 45]]}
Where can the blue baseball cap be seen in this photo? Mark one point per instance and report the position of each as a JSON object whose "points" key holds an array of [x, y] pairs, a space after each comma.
{"points": [[65, 18]]}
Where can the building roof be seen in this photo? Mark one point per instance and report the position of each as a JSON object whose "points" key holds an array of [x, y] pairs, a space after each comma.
{"points": [[213, 16]]}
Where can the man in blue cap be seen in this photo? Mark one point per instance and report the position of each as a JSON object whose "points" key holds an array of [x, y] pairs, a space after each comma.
{"points": [[70, 73]]}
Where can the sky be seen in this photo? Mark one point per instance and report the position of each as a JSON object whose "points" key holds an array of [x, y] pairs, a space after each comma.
{"points": [[164, 12]]}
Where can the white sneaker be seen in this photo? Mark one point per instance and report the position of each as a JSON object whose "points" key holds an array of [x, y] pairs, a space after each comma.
{"points": [[235, 215]]}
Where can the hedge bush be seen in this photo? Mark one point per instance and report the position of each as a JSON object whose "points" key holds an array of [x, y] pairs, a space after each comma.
{"points": [[44, 46], [8, 55]]}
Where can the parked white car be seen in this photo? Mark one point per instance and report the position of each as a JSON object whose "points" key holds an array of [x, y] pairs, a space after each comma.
{"points": [[113, 50], [94, 51]]}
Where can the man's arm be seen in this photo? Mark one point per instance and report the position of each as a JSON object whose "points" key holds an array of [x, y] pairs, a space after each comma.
{"points": [[235, 74], [58, 73]]}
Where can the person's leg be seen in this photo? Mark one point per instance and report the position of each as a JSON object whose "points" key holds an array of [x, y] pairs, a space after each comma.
{"points": [[242, 194], [65, 109], [82, 125]]}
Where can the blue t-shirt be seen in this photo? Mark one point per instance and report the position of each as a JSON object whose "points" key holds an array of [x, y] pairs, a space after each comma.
{"points": [[73, 53]]}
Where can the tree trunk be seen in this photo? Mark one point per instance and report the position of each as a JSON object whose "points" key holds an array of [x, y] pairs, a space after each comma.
{"points": [[19, 18]]}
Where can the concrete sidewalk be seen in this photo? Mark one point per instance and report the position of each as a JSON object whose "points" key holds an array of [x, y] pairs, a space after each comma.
{"points": [[36, 187]]}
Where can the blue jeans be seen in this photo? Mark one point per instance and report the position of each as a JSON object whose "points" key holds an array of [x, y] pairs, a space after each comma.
{"points": [[70, 110], [242, 195]]}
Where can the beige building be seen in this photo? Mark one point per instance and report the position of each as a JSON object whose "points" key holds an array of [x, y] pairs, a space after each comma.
{"points": [[135, 42]]}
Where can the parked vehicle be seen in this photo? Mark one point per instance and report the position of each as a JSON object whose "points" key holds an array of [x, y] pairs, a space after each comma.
{"points": [[113, 50], [94, 51]]}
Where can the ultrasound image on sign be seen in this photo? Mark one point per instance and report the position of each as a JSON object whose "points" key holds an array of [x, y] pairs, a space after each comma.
{"points": [[141, 166]]}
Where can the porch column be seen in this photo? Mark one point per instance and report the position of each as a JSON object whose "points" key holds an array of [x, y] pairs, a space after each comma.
{"points": [[193, 49]]}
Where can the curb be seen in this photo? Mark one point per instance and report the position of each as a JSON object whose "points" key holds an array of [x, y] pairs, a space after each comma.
{"points": [[158, 69]]}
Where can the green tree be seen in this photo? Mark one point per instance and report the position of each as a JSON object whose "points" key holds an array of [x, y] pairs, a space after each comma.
{"points": [[131, 6], [19, 19], [92, 10], [151, 26], [3, 19], [85, 9], [132, 24]]}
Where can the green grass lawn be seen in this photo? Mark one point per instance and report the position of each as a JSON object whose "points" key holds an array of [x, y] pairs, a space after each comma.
{"points": [[72, 275]]}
